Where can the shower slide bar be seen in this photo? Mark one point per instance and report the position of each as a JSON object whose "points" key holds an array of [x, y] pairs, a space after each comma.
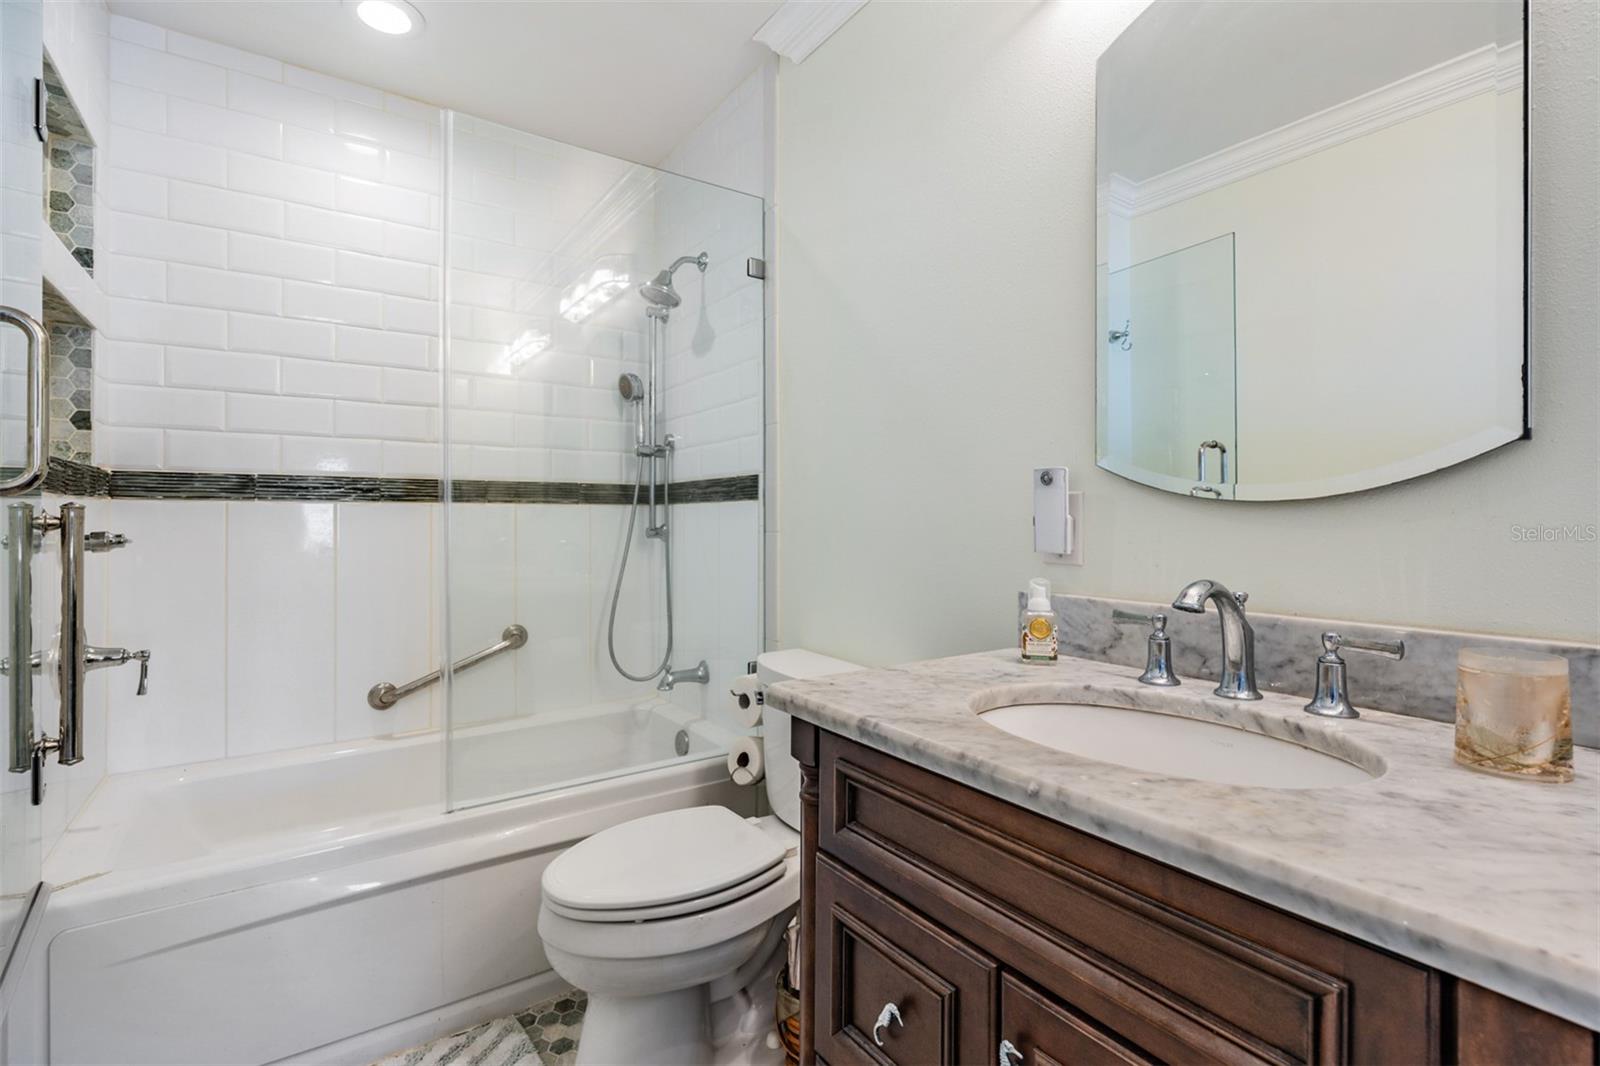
{"points": [[383, 695]]}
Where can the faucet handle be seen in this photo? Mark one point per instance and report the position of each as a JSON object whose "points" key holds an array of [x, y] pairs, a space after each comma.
{"points": [[1136, 618], [1158, 646], [101, 541], [1333, 642], [1331, 698], [1241, 598], [144, 671]]}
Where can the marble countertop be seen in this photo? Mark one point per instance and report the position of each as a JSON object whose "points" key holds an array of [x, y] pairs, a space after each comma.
{"points": [[1494, 880]]}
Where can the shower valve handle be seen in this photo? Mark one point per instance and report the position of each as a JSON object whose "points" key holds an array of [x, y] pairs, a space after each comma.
{"points": [[144, 672]]}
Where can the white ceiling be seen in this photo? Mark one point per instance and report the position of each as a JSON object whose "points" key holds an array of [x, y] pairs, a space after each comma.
{"points": [[626, 77]]}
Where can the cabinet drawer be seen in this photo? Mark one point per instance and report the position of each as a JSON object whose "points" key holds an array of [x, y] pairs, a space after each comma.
{"points": [[872, 952], [1048, 1033], [1186, 969]]}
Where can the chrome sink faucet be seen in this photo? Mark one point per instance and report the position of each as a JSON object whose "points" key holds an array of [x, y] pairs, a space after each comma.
{"points": [[1238, 639]]}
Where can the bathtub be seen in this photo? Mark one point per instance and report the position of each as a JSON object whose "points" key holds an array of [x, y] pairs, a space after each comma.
{"points": [[320, 905]]}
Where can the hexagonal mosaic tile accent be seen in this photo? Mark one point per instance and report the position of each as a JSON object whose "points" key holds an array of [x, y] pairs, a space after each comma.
{"points": [[546, 1034], [70, 193], [553, 1027], [71, 370]]}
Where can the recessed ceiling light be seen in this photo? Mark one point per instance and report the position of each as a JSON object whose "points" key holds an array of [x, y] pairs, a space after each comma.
{"points": [[394, 17]]}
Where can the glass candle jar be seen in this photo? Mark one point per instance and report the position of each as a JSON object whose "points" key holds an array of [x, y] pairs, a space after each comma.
{"points": [[1514, 714]]}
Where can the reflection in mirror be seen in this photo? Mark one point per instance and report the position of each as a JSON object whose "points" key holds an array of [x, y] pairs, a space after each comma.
{"points": [[1311, 244]]}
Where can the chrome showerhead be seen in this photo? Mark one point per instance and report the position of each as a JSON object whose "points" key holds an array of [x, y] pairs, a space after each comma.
{"points": [[659, 291], [631, 387]]}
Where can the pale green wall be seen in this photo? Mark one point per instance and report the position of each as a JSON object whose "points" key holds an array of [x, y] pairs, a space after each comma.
{"points": [[935, 322]]}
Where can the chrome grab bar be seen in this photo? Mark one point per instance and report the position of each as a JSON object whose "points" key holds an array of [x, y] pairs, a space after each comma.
{"points": [[19, 564], [76, 656], [38, 423], [383, 695], [70, 666]]}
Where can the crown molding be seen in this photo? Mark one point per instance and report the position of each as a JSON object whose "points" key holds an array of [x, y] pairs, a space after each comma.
{"points": [[1486, 69], [797, 28]]}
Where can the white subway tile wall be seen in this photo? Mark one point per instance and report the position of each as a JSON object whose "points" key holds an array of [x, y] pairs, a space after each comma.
{"points": [[531, 217], [736, 147], [272, 245], [716, 356], [260, 210], [533, 394], [268, 623], [273, 258]]}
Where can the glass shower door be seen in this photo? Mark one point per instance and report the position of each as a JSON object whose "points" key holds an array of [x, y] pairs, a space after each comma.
{"points": [[604, 415], [21, 52]]}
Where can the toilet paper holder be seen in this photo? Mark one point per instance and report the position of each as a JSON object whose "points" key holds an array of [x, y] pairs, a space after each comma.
{"points": [[748, 697]]}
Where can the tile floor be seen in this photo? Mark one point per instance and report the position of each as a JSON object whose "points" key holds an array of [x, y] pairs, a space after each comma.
{"points": [[546, 1034]]}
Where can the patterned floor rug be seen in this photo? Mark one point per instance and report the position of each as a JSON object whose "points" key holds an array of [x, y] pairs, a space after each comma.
{"points": [[546, 1034]]}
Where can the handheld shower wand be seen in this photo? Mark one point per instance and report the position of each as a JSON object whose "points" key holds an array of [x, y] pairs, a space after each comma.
{"points": [[632, 390], [659, 293]]}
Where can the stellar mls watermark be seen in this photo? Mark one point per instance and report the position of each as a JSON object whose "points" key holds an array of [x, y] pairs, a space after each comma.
{"points": [[1572, 533]]}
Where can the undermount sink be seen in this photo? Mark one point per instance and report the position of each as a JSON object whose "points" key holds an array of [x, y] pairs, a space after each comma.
{"points": [[1172, 744]]}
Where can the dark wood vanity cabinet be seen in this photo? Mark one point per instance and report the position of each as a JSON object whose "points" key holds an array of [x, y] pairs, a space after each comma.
{"points": [[981, 922]]}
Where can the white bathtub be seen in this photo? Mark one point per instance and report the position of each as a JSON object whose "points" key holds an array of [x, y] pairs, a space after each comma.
{"points": [[319, 905]]}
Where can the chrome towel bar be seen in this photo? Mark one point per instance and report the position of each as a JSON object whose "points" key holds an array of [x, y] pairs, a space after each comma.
{"points": [[383, 695]]}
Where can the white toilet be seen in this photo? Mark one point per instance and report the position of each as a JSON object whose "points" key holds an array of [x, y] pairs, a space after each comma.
{"points": [[674, 923]]}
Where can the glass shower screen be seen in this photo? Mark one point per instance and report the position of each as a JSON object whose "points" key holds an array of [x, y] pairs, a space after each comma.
{"points": [[604, 354]]}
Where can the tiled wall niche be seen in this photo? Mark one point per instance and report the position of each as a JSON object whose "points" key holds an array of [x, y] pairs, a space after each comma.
{"points": [[71, 371], [70, 165]]}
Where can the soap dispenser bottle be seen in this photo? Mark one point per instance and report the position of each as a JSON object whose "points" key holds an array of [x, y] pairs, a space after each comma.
{"points": [[1039, 625]]}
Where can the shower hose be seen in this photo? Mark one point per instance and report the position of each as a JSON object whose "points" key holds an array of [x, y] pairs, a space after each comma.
{"points": [[622, 569]]}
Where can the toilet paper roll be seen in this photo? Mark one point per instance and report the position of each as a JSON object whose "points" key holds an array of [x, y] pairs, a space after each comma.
{"points": [[745, 696], [746, 765]]}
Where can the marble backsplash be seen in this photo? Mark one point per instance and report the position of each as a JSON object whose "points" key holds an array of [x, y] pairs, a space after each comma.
{"points": [[1422, 684]]}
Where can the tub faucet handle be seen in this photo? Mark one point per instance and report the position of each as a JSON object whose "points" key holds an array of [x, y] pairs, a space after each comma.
{"points": [[101, 541], [96, 658], [143, 656]]}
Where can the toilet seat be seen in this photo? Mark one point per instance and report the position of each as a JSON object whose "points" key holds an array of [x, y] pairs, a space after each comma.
{"points": [[663, 865], [670, 937], [668, 910]]}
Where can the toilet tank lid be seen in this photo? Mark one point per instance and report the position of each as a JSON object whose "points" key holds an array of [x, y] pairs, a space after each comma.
{"points": [[797, 664]]}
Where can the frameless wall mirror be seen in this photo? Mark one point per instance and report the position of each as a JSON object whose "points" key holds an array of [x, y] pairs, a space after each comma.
{"points": [[1312, 243]]}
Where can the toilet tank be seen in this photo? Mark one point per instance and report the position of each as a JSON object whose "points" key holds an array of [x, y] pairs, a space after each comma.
{"points": [[783, 773]]}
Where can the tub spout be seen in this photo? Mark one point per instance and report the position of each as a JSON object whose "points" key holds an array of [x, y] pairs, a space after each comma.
{"points": [[670, 679]]}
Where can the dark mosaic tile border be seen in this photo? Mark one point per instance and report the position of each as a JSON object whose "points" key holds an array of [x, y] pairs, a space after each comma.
{"points": [[717, 489], [64, 477], [78, 479], [705, 490]]}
